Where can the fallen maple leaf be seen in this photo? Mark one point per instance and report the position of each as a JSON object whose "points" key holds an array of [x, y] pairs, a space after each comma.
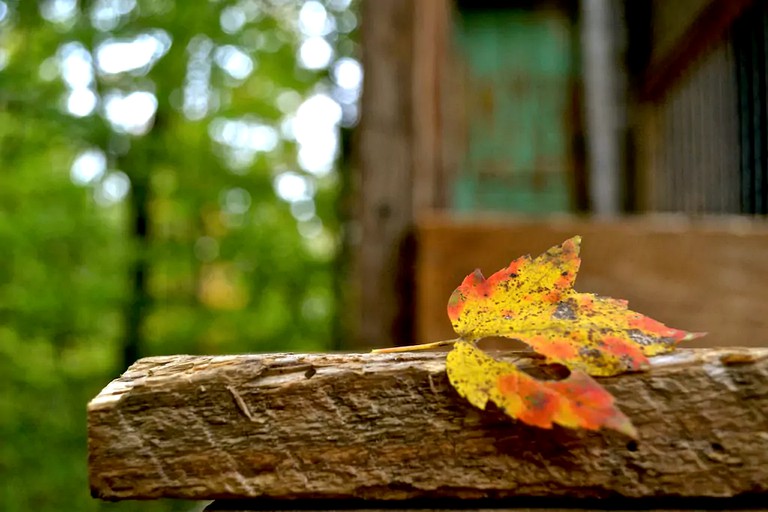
{"points": [[576, 402], [533, 300]]}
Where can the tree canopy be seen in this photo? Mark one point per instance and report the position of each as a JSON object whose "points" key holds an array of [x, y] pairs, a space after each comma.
{"points": [[170, 183]]}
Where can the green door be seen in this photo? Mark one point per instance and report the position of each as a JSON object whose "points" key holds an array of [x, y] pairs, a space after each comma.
{"points": [[519, 65]]}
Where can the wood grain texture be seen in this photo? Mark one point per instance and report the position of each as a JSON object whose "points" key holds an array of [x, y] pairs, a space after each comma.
{"points": [[389, 426], [706, 275]]}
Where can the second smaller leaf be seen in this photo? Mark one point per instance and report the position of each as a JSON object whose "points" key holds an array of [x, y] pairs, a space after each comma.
{"points": [[575, 402]]}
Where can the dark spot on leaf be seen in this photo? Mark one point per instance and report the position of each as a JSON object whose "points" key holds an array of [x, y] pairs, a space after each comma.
{"points": [[566, 310], [640, 337], [589, 353], [668, 341], [537, 400], [564, 273]]}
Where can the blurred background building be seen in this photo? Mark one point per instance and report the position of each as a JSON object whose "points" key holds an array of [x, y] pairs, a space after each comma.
{"points": [[492, 129]]}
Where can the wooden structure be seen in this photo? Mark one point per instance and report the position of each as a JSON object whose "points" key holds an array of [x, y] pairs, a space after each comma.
{"points": [[448, 135], [699, 105], [390, 427], [402, 128], [701, 275]]}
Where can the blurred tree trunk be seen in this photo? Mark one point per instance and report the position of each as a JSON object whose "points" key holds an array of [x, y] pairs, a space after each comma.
{"points": [[138, 302], [137, 163]]}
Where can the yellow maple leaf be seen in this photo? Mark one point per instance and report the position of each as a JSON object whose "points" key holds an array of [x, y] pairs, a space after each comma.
{"points": [[575, 402], [533, 300]]}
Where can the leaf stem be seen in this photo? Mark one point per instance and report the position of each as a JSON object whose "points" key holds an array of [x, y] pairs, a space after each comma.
{"points": [[410, 348]]}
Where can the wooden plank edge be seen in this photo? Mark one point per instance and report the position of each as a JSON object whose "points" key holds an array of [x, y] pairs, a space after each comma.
{"points": [[389, 427]]}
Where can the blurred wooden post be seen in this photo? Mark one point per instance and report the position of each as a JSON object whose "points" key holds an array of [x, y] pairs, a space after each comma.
{"points": [[398, 158]]}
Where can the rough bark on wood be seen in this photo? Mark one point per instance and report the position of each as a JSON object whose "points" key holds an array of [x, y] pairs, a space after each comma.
{"points": [[389, 426]]}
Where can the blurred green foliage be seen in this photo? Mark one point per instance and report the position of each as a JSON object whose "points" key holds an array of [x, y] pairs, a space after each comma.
{"points": [[199, 256]]}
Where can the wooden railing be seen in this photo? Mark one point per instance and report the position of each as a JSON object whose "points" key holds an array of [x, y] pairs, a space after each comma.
{"points": [[354, 430]]}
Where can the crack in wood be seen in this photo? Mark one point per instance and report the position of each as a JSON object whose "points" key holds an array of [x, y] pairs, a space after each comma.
{"points": [[241, 405]]}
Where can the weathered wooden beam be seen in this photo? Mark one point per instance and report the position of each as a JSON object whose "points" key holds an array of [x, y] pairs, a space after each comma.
{"points": [[389, 426]]}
